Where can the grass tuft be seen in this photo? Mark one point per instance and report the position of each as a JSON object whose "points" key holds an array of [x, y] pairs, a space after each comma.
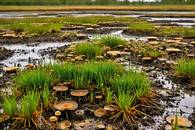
{"points": [[90, 50], [112, 41], [9, 105], [32, 80], [185, 68]]}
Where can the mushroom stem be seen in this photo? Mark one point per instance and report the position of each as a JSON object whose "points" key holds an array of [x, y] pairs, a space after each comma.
{"points": [[66, 114]]}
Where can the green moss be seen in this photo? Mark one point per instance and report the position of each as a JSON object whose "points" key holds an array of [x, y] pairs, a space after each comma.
{"points": [[142, 26]]}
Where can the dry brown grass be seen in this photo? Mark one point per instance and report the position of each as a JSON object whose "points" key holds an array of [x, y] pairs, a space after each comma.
{"points": [[121, 8]]}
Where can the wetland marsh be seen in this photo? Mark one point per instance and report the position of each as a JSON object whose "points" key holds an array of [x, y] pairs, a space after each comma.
{"points": [[88, 70]]}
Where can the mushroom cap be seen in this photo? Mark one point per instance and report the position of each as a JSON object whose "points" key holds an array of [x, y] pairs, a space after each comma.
{"points": [[109, 108], [60, 88], [100, 125], [147, 58], [58, 113], [53, 119], [152, 38], [99, 97], [66, 105], [10, 69], [181, 121], [79, 93], [100, 112], [173, 50], [64, 125]]}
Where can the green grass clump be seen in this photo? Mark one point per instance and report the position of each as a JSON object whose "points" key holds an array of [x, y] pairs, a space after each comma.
{"points": [[22, 110], [135, 83], [185, 68], [36, 29], [112, 41], [84, 74], [90, 50], [9, 105], [45, 96], [109, 96], [63, 72], [142, 26], [33, 79], [176, 31], [149, 52], [29, 104], [129, 89]]}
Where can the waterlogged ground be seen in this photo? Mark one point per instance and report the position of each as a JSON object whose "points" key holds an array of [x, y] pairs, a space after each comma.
{"points": [[174, 97], [188, 21]]}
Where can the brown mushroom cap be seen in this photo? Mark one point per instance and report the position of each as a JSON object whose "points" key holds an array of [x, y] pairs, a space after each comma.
{"points": [[181, 121], [10, 69], [110, 108], [100, 125], [79, 93], [100, 112], [53, 119], [66, 105], [60, 88], [64, 125]]}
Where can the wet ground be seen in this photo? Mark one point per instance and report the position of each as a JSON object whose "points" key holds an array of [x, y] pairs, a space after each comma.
{"points": [[187, 22], [174, 96]]}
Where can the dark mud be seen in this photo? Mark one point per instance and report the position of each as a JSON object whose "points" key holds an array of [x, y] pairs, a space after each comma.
{"points": [[5, 53]]}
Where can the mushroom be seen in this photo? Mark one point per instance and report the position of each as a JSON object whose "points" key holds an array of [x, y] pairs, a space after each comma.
{"points": [[58, 113], [173, 50], [100, 125], [64, 125], [10, 69], [80, 113], [109, 108], [147, 59], [99, 97], [60, 89], [100, 112], [152, 38], [79, 93], [53, 120], [66, 105], [181, 121]]}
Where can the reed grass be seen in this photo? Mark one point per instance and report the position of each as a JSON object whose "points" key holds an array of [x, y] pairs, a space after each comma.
{"points": [[9, 105], [133, 82], [37, 29], [84, 74], [32, 80], [185, 68], [109, 96], [46, 97], [63, 72], [129, 89], [29, 104], [90, 50], [112, 41]]}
